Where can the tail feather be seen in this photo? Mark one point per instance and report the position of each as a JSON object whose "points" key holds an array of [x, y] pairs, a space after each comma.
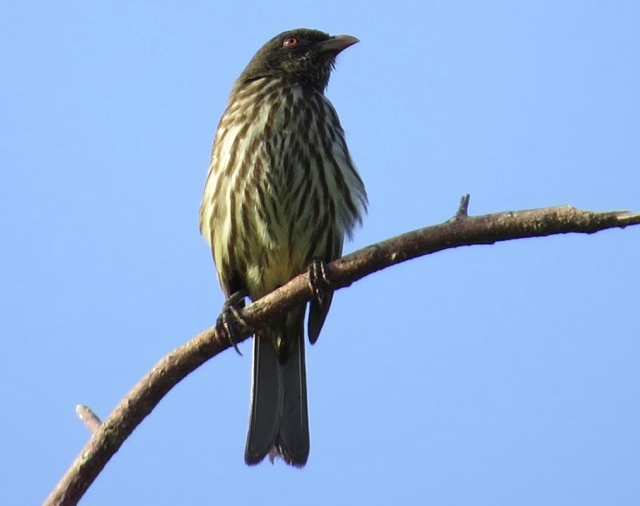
{"points": [[279, 420], [266, 401], [292, 441]]}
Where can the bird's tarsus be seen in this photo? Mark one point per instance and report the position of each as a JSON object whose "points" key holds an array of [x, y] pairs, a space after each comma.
{"points": [[231, 321]]}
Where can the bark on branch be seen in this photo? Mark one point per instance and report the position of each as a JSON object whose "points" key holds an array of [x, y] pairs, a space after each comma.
{"points": [[461, 230]]}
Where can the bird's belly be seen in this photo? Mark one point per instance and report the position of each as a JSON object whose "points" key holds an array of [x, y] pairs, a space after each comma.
{"points": [[278, 257]]}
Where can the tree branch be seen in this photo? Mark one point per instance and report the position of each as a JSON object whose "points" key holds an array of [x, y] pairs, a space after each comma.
{"points": [[460, 230]]}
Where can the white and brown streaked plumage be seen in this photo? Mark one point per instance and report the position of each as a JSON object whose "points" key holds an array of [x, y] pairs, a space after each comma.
{"points": [[282, 191]]}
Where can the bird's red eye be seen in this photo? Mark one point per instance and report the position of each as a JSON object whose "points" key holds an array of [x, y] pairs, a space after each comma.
{"points": [[290, 41]]}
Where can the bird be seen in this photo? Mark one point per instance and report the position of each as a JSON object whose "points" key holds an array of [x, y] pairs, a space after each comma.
{"points": [[282, 193]]}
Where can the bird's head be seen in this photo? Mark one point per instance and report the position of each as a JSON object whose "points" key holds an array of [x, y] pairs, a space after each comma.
{"points": [[302, 55]]}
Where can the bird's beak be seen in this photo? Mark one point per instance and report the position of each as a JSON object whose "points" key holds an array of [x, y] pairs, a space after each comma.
{"points": [[338, 43]]}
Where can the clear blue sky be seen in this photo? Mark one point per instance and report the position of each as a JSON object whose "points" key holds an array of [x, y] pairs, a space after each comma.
{"points": [[499, 375]]}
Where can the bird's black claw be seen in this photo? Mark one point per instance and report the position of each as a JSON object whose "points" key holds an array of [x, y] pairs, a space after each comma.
{"points": [[231, 321], [319, 280]]}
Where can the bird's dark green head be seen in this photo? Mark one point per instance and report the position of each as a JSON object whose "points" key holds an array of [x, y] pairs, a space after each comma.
{"points": [[302, 55]]}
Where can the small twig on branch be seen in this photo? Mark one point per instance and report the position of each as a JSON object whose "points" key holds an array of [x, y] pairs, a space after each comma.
{"points": [[461, 230], [463, 208], [90, 419]]}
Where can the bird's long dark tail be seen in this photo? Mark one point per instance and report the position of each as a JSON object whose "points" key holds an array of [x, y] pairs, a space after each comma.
{"points": [[279, 421]]}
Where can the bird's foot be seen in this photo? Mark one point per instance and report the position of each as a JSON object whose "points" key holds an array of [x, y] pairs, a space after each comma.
{"points": [[319, 280], [231, 321]]}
